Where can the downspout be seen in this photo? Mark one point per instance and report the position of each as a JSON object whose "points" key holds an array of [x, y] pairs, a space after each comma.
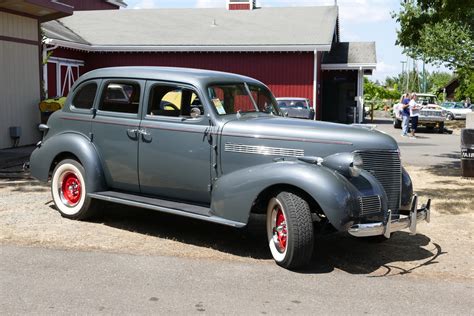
{"points": [[315, 81], [45, 67]]}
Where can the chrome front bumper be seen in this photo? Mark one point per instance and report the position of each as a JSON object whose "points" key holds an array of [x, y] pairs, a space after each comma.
{"points": [[386, 228]]}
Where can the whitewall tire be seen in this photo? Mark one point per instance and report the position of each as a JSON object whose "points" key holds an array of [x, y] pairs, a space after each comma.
{"points": [[69, 191], [290, 230]]}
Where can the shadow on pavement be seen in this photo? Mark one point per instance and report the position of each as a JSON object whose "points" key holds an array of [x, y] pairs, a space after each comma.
{"points": [[364, 256], [450, 168], [334, 251]]}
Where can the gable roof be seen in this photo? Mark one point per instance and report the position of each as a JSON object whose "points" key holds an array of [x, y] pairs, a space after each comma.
{"points": [[264, 29], [350, 54]]}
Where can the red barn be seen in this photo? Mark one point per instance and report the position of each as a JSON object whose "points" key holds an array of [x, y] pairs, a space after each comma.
{"points": [[296, 50]]}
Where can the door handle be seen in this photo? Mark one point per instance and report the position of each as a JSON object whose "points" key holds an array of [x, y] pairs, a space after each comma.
{"points": [[132, 133], [146, 136]]}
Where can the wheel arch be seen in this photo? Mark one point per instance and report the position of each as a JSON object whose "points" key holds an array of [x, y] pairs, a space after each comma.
{"points": [[261, 201], [237, 194], [68, 146]]}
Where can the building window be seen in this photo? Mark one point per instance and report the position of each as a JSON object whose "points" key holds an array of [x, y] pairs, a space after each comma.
{"points": [[121, 97], [85, 96]]}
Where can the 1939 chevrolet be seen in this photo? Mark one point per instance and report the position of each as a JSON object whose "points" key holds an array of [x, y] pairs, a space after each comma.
{"points": [[213, 146]]}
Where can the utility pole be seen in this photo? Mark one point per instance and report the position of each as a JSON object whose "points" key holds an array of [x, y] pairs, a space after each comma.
{"points": [[408, 74], [403, 76], [424, 77]]}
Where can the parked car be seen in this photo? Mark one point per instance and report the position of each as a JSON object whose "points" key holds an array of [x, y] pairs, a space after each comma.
{"points": [[455, 110], [296, 107], [431, 114], [221, 153]]}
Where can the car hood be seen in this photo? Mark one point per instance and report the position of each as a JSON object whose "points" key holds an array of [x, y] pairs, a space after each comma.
{"points": [[315, 137]]}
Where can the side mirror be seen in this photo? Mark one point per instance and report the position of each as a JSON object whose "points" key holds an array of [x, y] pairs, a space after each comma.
{"points": [[195, 112]]}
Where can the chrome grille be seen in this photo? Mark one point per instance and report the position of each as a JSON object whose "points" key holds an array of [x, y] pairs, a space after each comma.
{"points": [[370, 204], [385, 166], [431, 113]]}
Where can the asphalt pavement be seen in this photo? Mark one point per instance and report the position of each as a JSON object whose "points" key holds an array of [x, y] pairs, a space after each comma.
{"points": [[43, 282], [429, 149]]}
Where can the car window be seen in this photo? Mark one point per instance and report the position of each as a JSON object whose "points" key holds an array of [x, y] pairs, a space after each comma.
{"points": [[120, 97], [170, 100], [84, 97]]}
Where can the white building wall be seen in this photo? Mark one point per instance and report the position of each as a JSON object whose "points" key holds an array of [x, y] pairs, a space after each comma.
{"points": [[19, 79]]}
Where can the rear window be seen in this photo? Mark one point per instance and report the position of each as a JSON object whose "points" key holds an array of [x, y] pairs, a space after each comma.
{"points": [[85, 96], [120, 97]]}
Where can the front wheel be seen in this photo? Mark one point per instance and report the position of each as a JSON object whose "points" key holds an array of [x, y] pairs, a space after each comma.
{"points": [[397, 123], [290, 230], [69, 191], [441, 128], [449, 116]]}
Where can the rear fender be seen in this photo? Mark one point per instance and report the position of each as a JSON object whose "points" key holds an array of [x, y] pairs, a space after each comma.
{"points": [[234, 194], [73, 144]]}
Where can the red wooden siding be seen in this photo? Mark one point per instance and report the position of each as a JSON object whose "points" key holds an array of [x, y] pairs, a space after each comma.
{"points": [[80, 5], [239, 6], [286, 74]]}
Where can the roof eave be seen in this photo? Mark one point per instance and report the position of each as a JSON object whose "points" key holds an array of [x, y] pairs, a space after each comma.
{"points": [[349, 66], [190, 48]]}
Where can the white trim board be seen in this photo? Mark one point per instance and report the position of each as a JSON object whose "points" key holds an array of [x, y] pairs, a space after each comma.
{"points": [[186, 48], [348, 66]]}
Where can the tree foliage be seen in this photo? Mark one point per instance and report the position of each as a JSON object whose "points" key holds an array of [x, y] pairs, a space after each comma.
{"points": [[378, 95], [434, 81], [438, 32]]}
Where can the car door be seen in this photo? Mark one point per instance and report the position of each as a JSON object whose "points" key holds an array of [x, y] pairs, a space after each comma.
{"points": [[115, 131], [175, 149]]}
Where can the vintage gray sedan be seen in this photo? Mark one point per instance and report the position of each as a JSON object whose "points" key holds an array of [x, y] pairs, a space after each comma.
{"points": [[213, 146]]}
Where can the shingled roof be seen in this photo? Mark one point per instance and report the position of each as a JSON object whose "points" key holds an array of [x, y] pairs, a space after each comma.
{"points": [[263, 29], [351, 53]]}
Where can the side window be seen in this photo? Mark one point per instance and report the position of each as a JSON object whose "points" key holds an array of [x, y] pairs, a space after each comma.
{"points": [[123, 97], [85, 96], [174, 101]]}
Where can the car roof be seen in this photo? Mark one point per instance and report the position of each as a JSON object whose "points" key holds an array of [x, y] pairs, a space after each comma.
{"points": [[176, 74]]}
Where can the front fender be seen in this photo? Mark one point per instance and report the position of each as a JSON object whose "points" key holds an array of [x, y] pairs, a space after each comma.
{"points": [[234, 193], [68, 143]]}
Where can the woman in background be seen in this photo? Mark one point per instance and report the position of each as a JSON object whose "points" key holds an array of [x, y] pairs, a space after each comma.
{"points": [[414, 113]]}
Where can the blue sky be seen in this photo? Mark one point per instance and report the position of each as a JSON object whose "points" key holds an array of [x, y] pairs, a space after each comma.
{"points": [[361, 20]]}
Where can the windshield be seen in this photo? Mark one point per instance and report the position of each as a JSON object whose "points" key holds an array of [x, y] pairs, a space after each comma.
{"points": [[294, 104], [242, 98], [427, 99]]}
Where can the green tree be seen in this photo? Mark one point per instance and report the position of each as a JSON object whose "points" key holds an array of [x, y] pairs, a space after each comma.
{"points": [[438, 31]]}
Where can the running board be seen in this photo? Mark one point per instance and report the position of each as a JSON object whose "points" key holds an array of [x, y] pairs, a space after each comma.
{"points": [[165, 206]]}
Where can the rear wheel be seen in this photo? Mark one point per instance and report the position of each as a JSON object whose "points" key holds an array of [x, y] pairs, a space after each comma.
{"points": [[441, 128], [290, 230], [69, 191], [397, 123]]}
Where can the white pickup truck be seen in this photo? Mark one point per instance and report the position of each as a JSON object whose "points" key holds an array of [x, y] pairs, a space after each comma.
{"points": [[431, 114]]}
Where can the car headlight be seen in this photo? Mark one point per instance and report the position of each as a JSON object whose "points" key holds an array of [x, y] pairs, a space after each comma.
{"points": [[347, 164], [355, 167], [443, 112]]}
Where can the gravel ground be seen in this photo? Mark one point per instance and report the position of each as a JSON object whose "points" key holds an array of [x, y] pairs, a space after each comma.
{"points": [[442, 249]]}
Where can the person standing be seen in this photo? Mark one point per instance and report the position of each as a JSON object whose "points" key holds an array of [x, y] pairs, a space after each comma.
{"points": [[414, 109], [405, 113]]}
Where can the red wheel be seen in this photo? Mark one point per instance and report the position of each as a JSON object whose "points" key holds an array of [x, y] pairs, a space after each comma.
{"points": [[69, 190]]}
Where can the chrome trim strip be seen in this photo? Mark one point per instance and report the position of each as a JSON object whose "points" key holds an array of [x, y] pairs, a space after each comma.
{"points": [[263, 150]]}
